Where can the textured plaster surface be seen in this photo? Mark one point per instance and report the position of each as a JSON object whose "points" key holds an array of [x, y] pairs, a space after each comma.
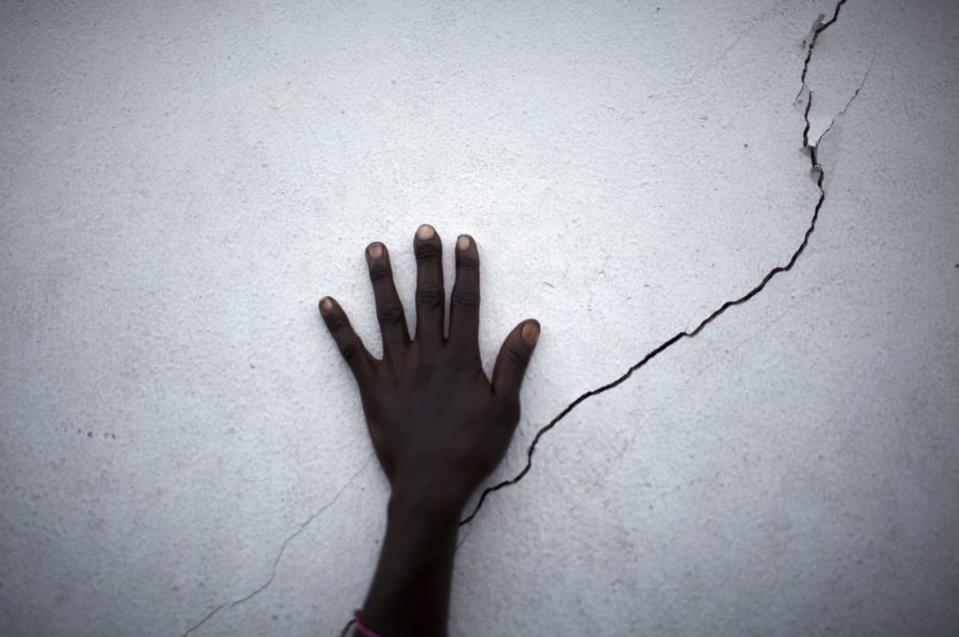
{"points": [[182, 450]]}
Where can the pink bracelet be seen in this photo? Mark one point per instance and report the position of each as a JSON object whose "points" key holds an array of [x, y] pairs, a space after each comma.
{"points": [[360, 628]]}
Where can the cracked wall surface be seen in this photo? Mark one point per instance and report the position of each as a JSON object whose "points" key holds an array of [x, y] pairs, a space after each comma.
{"points": [[183, 453]]}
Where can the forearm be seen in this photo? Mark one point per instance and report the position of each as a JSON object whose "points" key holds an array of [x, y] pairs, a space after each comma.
{"points": [[411, 587]]}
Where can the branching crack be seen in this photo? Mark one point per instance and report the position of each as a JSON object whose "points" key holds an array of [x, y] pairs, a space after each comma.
{"points": [[816, 172], [845, 108], [276, 561]]}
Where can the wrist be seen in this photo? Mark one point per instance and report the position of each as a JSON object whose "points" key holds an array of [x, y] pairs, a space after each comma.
{"points": [[424, 504], [410, 590]]}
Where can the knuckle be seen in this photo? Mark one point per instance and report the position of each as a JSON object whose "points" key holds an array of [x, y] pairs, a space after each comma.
{"points": [[379, 271], [427, 252], [336, 322], [389, 312], [466, 261], [516, 355], [466, 360], [429, 297], [349, 350], [423, 373], [466, 296]]}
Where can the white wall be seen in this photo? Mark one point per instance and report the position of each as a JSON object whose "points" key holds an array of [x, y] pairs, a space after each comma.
{"points": [[180, 182]]}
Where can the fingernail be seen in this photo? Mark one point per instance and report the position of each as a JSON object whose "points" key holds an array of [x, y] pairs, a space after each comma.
{"points": [[326, 305], [463, 242], [530, 333], [425, 232], [375, 250]]}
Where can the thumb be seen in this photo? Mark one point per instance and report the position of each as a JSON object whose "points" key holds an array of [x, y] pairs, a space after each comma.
{"points": [[513, 358]]}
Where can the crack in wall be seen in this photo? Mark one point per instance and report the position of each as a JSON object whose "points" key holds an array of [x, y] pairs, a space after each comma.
{"points": [[818, 26], [843, 110], [817, 174], [276, 561]]}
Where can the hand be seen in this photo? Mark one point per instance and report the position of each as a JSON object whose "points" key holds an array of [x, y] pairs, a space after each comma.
{"points": [[437, 423]]}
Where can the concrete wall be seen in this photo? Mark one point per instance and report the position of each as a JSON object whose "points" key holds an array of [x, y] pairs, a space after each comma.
{"points": [[180, 182]]}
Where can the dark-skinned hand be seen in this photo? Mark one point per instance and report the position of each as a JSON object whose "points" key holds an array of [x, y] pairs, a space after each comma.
{"points": [[438, 424], [435, 419]]}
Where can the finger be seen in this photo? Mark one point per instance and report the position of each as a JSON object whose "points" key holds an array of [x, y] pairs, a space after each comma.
{"points": [[389, 310], [430, 295], [349, 344], [513, 358], [465, 300]]}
